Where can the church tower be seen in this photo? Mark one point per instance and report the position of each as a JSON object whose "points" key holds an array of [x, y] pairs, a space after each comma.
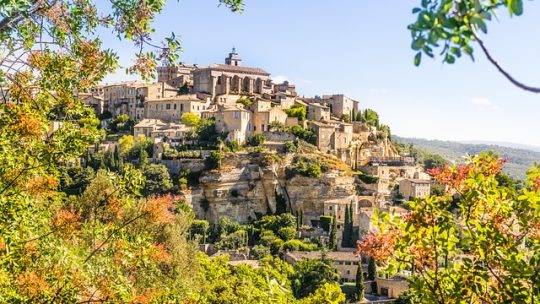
{"points": [[234, 58]]}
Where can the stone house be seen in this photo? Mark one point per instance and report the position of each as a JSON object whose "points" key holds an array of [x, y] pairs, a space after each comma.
{"points": [[95, 101], [152, 91], [264, 114], [231, 78], [414, 188], [341, 104], [391, 287], [119, 96], [346, 262], [318, 112], [232, 119], [171, 109], [176, 76]]}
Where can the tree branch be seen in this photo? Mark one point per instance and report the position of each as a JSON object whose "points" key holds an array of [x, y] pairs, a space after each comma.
{"points": [[503, 71]]}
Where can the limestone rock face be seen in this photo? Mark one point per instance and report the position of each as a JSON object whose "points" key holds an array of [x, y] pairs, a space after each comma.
{"points": [[244, 187]]}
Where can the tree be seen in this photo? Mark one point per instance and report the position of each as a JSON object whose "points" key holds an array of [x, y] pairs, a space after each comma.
{"points": [[359, 283], [257, 140], [298, 111], [312, 274], [326, 294], [372, 270], [213, 161], [158, 180], [191, 119], [332, 245], [106, 244], [199, 228], [281, 203], [453, 27], [184, 89], [345, 234], [370, 117], [479, 246], [434, 161]]}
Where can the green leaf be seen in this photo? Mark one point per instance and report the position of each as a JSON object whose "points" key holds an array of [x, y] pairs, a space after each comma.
{"points": [[416, 10], [417, 59], [516, 7], [418, 43]]}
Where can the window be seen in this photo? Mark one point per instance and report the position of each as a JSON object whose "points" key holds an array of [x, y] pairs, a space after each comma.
{"points": [[168, 106], [348, 272], [236, 115], [181, 107], [347, 263], [174, 106], [329, 207]]}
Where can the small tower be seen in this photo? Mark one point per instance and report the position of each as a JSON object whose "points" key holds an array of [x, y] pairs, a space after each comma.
{"points": [[234, 58]]}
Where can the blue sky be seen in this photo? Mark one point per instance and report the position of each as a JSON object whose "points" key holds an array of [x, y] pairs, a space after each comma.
{"points": [[362, 48]]}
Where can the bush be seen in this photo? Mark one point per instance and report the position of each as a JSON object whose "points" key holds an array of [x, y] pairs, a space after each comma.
{"points": [[158, 180], [260, 251], [326, 222], [287, 233], [257, 140], [213, 161], [368, 179], [298, 111], [290, 147], [305, 167], [298, 245], [235, 193], [233, 146]]}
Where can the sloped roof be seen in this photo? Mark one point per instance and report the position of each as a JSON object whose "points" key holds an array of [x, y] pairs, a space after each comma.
{"points": [[238, 69]]}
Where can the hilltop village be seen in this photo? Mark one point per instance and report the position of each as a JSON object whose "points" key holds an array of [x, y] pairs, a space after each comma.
{"points": [[237, 146]]}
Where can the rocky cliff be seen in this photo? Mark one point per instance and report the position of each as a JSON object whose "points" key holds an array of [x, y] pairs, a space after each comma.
{"points": [[248, 185]]}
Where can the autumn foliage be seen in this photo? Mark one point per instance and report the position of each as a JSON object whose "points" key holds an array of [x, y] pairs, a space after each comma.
{"points": [[477, 243]]}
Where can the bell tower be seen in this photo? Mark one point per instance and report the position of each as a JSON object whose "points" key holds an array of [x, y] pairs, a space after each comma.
{"points": [[233, 58]]}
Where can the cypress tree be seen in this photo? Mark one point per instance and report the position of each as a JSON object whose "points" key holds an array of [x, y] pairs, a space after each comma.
{"points": [[345, 233], [359, 282], [350, 241], [372, 269], [333, 235]]}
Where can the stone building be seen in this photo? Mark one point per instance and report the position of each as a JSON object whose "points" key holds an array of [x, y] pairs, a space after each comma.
{"points": [[264, 114], [341, 105], [154, 91], [120, 96], [95, 101], [176, 76], [414, 188], [231, 78], [171, 109], [232, 119], [318, 112], [285, 88], [346, 262]]}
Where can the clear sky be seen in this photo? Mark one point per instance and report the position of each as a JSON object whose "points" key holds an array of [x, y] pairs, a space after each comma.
{"points": [[362, 48]]}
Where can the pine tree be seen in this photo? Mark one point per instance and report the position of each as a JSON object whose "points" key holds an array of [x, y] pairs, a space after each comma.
{"points": [[360, 288], [143, 157], [301, 217], [118, 158], [333, 235]]}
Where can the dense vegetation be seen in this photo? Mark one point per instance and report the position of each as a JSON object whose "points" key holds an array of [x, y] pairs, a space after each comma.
{"points": [[478, 242]]}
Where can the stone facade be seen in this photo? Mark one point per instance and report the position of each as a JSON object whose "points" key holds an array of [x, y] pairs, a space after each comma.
{"points": [[171, 109], [414, 188]]}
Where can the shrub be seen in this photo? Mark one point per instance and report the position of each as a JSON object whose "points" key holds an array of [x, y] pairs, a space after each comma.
{"points": [[290, 147], [287, 233], [257, 140], [246, 101], [298, 111], [233, 146], [368, 179], [260, 251], [213, 161], [326, 222], [305, 167]]}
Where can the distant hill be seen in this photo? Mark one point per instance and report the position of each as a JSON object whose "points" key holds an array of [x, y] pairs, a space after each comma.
{"points": [[519, 160]]}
